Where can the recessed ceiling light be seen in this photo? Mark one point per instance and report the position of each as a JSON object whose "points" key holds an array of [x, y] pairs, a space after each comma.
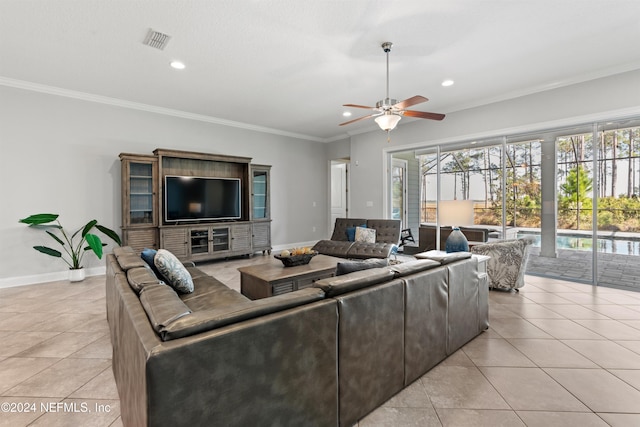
{"points": [[447, 82], [177, 65], [347, 114]]}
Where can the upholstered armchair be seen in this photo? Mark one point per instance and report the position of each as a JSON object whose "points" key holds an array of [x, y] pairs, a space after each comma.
{"points": [[508, 262]]}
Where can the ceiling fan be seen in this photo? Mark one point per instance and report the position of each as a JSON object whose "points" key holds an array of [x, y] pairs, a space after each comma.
{"points": [[390, 111]]}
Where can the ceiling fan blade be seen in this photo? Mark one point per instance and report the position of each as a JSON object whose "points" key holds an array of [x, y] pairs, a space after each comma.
{"points": [[410, 101], [423, 115], [358, 119], [358, 106]]}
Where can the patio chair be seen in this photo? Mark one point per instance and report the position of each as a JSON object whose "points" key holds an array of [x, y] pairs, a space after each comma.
{"points": [[508, 262]]}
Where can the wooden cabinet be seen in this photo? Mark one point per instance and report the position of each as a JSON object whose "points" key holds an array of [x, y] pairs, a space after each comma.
{"points": [[143, 212], [139, 201], [200, 242], [175, 240], [261, 236], [241, 238], [260, 193], [261, 207]]}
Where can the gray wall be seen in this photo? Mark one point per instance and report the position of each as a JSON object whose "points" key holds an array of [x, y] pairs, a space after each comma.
{"points": [[601, 99], [60, 155]]}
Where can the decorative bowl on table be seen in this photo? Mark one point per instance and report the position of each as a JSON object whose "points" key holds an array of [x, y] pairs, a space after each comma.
{"points": [[295, 257]]}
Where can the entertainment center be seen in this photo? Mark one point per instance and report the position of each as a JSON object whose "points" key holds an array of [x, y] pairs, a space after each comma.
{"points": [[199, 206]]}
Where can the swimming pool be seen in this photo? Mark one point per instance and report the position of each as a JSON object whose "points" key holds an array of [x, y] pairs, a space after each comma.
{"points": [[582, 243]]}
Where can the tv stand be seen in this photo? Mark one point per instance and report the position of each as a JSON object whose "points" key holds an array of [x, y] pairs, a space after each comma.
{"points": [[143, 225]]}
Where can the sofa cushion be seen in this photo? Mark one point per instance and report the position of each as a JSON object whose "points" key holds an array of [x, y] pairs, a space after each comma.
{"points": [[128, 260], [210, 293], [333, 286], [365, 235], [369, 250], [333, 248], [351, 266], [444, 258], [141, 277], [411, 267], [173, 271], [162, 305], [341, 225], [206, 320], [387, 230], [121, 250]]}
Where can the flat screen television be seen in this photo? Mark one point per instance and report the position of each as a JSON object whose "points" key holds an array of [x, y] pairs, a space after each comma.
{"points": [[189, 198]]}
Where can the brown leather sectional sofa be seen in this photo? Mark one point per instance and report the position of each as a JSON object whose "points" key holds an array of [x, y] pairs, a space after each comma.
{"points": [[322, 356], [387, 235]]}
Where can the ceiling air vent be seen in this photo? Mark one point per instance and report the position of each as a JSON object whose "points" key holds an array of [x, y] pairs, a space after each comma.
{"points": [[157, 39]]}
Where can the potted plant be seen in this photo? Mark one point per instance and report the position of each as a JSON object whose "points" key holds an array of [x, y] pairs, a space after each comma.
{"points": [[74, 245]]}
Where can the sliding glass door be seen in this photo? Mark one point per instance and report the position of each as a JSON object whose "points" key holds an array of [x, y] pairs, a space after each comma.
{"points": [[575, 191], [575, 205], [617, 206]]}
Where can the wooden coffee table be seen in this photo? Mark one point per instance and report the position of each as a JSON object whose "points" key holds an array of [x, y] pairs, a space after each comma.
{"points": [[272, 278]]}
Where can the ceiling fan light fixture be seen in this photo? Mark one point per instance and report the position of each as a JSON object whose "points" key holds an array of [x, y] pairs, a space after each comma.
{"points": [[388, 121]]}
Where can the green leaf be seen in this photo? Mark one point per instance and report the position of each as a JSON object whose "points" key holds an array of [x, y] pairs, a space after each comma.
{"points": [[39, 219], [95, 244], [110, 233], [48, 251], [56, 238], [87, 228]]}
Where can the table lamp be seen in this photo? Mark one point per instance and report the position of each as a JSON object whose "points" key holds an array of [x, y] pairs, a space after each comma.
{"points": [[456, 213]]}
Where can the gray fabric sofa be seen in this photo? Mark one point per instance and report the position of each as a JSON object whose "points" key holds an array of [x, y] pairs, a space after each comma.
{"points": [[387, 236], [322, 356]]}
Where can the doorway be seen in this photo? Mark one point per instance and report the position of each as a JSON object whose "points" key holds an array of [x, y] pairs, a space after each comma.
{"points": [[399, 191], [339, 189]]}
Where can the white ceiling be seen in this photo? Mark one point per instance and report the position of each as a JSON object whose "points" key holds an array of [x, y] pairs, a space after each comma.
{"points": [[289, 65]]}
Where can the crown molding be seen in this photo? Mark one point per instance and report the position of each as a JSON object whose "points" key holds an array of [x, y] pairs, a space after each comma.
{"points": [[89, 97]]}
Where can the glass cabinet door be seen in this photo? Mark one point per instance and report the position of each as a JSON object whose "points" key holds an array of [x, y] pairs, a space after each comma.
{"points": [[199, 241], [141, 193], [220, 239], [260, 194]]}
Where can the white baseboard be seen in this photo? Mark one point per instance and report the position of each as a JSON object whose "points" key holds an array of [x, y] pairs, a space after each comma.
{"points": [[97, 271], [11, 282]]}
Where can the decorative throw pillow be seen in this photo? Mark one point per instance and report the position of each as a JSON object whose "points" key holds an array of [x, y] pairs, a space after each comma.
{"points": [[365, 235], [173, 271], [148, 256], [351, 233]]}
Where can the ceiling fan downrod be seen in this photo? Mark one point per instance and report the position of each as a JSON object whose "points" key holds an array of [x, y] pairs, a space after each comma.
{"points": [[386, 47]]}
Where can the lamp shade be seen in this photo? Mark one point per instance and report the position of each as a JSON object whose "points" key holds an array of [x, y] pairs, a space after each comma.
{"points": [[387, 121], [455, 212]]}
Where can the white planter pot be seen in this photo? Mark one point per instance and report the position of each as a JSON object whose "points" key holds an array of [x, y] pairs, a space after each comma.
{"points": [[76, 275]]}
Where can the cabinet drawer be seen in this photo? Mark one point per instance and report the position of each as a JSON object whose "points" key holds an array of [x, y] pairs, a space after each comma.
{"points": [[282, 288], [308, 281]]}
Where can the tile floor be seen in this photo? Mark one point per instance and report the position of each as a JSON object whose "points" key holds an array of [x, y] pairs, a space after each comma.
{"points": [[556, 354]]}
